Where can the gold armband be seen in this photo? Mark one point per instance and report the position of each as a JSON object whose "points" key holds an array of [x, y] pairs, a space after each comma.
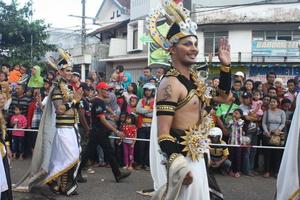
{"points": [[166, 136], [225, 68]]}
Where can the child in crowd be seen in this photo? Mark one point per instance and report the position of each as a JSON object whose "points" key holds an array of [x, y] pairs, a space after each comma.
{"points": [[219, 154], [257, 104], [14, 75], [237, 91], [130, 131], [280, 90], [131, 107], [18, 121], [236, 138]]}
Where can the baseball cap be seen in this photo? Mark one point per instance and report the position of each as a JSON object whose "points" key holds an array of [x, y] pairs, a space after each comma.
{"points": [[239, 73], [102, 86], [246, 95], [76, 74]]}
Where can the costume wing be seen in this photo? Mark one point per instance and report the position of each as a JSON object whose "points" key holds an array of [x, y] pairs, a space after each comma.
{"points": [[289, 174], [43, 147], [157, 169]]}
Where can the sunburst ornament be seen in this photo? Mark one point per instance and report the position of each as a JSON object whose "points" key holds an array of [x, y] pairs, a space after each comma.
{"points": [[196, 140]]}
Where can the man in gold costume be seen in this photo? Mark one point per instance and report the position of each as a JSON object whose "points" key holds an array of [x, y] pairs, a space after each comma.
{"points": [[182, 123], [57, 150]]}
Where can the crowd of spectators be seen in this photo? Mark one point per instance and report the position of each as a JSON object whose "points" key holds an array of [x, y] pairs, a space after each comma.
{"points": [[259, 113]]}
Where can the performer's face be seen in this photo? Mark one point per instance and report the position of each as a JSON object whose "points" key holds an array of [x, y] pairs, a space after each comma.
{"points": [[186, 50], [67, 73]]}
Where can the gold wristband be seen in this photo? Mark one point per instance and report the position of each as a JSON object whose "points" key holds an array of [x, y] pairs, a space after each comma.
{"points": [[166, 136], [173, 156], [225, 68], [7, 143]]}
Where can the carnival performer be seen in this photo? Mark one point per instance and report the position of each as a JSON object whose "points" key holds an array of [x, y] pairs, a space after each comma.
{"points": [[5, 154], [57, 149], [182, 122]]}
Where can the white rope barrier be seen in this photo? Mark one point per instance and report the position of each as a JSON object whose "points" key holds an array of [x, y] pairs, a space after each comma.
{"points": [[20, 129], [218, 145], [147, 140]]}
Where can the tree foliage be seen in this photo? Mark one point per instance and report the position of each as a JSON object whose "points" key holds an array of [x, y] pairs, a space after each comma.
{"points": [[21, 40]]}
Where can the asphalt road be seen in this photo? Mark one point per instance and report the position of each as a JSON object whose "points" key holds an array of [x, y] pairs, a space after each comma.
{"points": [[101, 186]]}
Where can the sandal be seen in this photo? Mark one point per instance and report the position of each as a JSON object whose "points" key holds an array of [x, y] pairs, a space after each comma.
{"points": [[90, 171]]}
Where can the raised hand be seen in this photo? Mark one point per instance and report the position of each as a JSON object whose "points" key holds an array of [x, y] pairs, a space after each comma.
{"points": [[224, 52], [78, 95]]}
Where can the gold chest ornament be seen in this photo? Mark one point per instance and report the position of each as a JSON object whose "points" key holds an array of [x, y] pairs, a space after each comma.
{"points": [[196, 140]]}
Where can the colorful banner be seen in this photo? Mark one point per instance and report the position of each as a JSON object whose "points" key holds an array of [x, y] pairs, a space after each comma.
{"points": [[157, 55], [275, 48]]}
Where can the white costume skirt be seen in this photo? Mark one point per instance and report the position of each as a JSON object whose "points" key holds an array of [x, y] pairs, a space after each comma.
{"points": [[65, 153], [199, 189], [3, 181]]}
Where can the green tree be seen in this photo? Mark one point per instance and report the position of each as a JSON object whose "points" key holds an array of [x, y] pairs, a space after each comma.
{"points": [[21, 40]]}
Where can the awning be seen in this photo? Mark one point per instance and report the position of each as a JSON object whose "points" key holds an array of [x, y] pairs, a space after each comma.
{"points": [[111, 26], [127, 58]]}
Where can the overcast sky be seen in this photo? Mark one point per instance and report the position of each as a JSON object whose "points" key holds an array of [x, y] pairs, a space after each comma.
{"points": [[55, 12]]}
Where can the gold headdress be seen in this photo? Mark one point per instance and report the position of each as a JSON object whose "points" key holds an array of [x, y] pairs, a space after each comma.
{"points": [[180, 22], [64, 60]]}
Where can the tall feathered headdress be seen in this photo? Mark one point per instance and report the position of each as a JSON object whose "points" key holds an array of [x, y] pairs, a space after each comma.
{"points": [[179, 20], [64, 60]]}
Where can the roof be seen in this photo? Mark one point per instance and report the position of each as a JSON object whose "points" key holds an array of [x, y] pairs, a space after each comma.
{"points": [[123, 3], [111, 26]]}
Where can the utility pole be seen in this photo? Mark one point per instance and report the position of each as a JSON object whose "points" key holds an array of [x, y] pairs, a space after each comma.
{"points": [[83, 38], [31, 36], [83, 29]]}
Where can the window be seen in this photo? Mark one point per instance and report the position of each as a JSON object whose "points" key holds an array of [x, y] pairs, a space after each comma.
{"points": [[284, 35], [276, 35], [270, 35], [296, 35], [211, 42], [135, 39], [258, 35], [135, 30]]}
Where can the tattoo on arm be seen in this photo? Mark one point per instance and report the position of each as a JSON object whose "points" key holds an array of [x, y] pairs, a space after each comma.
{"points": [[167, 91]]}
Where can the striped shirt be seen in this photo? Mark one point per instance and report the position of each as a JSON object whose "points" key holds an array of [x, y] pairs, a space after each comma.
{"points": [[23, 102]]}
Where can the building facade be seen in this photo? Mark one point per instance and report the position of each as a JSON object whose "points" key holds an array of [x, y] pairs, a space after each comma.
{"points": [[263, 36]]}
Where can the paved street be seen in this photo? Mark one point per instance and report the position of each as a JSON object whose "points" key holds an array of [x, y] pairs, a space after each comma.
{"points": [[101, 186]]}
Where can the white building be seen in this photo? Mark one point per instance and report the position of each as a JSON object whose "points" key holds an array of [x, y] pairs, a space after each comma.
{"points": [[263, 36]]}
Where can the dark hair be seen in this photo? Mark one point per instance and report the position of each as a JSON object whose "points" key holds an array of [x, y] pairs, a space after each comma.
{"points": [[291, 81], [214, 78], [6, 65], [22, 85], [275, 98], [271, 88], [17, 106], [257, 91], [163, 68], [120, 68], [271, 73], [134, 88], [239, 110], [147, 68], [132, 117], [250, 80], [285, 101], [256, 84]]}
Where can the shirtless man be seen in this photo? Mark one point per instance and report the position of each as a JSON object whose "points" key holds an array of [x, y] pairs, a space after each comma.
{"points": [[186, 112]]}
